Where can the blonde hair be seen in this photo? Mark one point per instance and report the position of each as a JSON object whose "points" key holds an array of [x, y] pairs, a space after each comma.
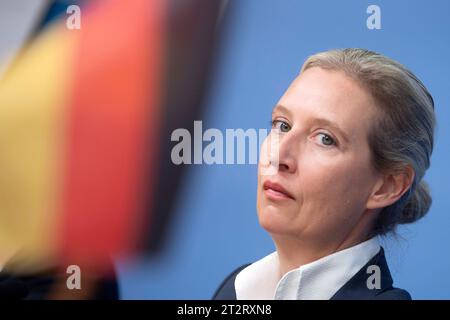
{"points": [[403, 134]]}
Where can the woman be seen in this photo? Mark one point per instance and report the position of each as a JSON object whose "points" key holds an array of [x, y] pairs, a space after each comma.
{"points": [[355, 134]]}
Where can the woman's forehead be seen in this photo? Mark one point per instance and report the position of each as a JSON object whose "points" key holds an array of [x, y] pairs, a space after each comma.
{"points": [[330, 99], [326, 87], [328, 94]]}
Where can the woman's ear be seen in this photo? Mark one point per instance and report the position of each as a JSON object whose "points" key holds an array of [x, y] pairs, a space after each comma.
{"points": [[390, 187]]}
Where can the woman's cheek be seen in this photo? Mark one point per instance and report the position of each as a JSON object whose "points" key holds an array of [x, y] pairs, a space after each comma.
{"points": [[323, 177], [318, 163]]}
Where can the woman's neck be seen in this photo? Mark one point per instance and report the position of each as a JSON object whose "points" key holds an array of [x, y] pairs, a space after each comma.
{"points": [[295, 252]]}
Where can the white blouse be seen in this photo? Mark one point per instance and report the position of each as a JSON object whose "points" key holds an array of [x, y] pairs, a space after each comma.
{"points": [[318, 280]]}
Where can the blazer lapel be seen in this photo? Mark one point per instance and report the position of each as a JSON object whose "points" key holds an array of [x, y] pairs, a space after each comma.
{"points": [[356, 288]]}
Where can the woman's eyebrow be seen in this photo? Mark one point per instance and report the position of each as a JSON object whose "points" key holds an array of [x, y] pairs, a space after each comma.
{"points": [[334, 126], [282, 109]]}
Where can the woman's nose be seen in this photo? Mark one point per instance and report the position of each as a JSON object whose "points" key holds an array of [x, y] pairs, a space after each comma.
{"points": [[288, 150]]}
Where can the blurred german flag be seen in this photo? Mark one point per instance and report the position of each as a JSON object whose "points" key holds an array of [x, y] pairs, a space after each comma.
{"points": [[85, 123]]}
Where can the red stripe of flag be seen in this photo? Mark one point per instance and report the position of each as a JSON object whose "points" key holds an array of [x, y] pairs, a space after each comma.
{"points": [[112, 115]]}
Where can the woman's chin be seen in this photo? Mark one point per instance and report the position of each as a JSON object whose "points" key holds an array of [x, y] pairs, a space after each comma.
{"points": [[272, 219]]}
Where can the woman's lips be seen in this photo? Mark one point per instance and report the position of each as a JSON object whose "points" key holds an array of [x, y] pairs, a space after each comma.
{"points": [[276, 191]]}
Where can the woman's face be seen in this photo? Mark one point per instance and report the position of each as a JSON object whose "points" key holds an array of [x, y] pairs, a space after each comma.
{"points": [[324, 176]]}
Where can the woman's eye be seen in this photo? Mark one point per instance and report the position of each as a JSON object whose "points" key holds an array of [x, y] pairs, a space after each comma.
{"points": [[283, 126], [325, 139]]}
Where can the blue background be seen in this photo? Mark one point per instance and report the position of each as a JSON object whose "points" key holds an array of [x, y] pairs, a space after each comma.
{"points": [[263, 48]]}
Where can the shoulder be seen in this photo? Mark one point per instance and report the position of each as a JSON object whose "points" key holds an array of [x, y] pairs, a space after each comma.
{"points": [[357, 287], [393, 294], [226, 290]]}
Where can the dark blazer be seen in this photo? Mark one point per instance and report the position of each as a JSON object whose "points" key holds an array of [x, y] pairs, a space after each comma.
{"points": [[354, 289]]}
